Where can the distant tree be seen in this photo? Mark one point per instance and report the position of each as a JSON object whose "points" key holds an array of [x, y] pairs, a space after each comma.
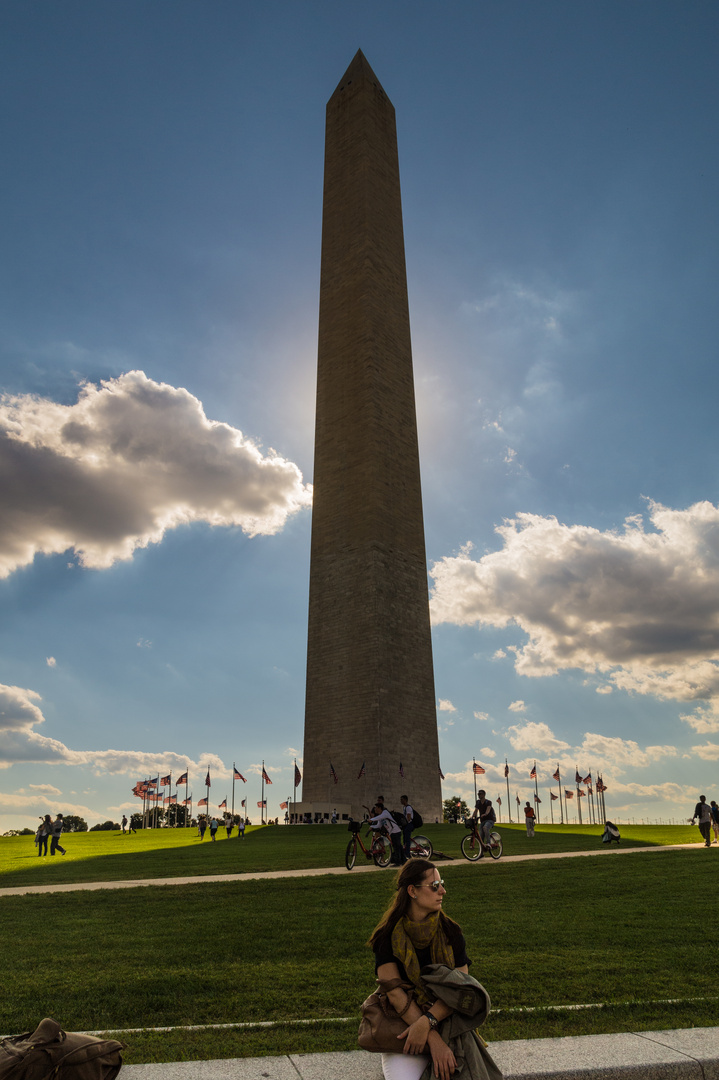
{"points": [[106, 826], [19, 832], [73, 823], [455, 808]]}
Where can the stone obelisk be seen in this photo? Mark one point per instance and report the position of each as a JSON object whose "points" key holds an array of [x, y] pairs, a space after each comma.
{"points": [[370, 683]]}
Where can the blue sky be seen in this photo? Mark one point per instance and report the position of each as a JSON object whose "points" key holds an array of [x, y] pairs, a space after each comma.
{"points": [[161, 204]]}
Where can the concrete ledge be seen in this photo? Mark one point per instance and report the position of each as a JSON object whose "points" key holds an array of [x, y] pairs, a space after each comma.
{"points": [[686, 1054]]}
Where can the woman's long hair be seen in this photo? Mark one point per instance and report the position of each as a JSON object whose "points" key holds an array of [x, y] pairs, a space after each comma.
{"points": [[411, 874]]}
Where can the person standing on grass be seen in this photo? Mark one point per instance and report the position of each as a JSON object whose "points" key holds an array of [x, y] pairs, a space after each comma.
{"points": [[703, 812], [241, 829], [202, 825], [407, 829], [124, 822], [529, 819], [57, 827], [42, 835], [228, 826], [214, 826]]}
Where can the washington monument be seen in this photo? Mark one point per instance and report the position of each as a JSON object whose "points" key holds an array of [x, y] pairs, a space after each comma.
{"points": [[370, 714]]}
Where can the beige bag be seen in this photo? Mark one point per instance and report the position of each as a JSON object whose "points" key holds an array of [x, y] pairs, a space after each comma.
{"points": [[51, 1052]]}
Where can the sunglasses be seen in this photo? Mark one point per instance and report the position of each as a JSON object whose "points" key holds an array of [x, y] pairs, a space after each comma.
{"points": [[434, 885]]}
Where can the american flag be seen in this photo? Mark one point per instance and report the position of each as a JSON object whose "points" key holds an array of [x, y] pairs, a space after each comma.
{"points": [[587, 779], [182, 780], [536, 798], [477, 768], [222, 805], [153, 782], [237, 775], [577, 777], [166, 781], [499, 800], [298, 776], [283, 806], [202, 802], [265, 777], [568, 794], [262, 803], [533, 774], [244, 802], [518, 800], [555, 776], [186, 802], [506, 769], [207, 779], [553, 797], [333, 774], [361, 773], [581, 794]]}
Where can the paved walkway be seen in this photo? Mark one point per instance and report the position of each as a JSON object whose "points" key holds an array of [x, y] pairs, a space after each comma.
{"points": [[22, 890], [691, 1054]]}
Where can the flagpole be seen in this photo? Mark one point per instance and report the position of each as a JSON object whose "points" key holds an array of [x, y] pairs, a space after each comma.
{"points": [[262, 795], [536, 792], [474, 774], [558, 777], [509, 801], [579, 797], [294, 793], [233, 791], [551, 806]]}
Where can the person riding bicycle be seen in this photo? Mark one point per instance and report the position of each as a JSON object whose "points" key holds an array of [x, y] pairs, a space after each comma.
{"points": [[485, 812]]}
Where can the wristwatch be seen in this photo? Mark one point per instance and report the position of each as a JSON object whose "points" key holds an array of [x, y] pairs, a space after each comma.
{"points": [[433, 1021]]}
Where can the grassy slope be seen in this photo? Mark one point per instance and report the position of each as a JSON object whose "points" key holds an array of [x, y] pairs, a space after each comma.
{"points": [[166, 853], [622, 930]]}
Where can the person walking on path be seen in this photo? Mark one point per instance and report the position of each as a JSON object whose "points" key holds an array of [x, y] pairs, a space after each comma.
{"points": [[529, 819], [703, 812], [214, 826], [715, 820], [57, 827]]}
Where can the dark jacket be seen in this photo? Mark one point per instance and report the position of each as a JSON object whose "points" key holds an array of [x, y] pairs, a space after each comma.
{"points": [[471, 1004]]}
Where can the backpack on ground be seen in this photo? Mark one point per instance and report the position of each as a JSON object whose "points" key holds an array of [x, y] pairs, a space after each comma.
{"points": [[51, 1052]]}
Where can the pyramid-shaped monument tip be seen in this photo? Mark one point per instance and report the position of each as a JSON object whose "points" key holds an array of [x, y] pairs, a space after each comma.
{"points": [[359, 70]]}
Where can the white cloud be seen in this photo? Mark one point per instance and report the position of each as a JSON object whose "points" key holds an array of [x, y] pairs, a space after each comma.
{"points": [[131, 459], [45, 789], [487, 752], [445, 706], [535, 737], [708, 752], [517, 706], [481, 716], [51, 661], [639, 608]]}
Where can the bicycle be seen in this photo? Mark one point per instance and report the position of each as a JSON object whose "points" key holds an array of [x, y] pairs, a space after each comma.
{"points": [[380, 849], [420, 847], [474, 847]]}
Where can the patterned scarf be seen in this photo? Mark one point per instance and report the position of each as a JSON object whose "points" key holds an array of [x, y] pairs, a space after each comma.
{"points": [[408, 937]]}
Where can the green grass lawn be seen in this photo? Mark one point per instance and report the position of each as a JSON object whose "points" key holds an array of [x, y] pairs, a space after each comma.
{"points": [[166, 853], [628, 932]]}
